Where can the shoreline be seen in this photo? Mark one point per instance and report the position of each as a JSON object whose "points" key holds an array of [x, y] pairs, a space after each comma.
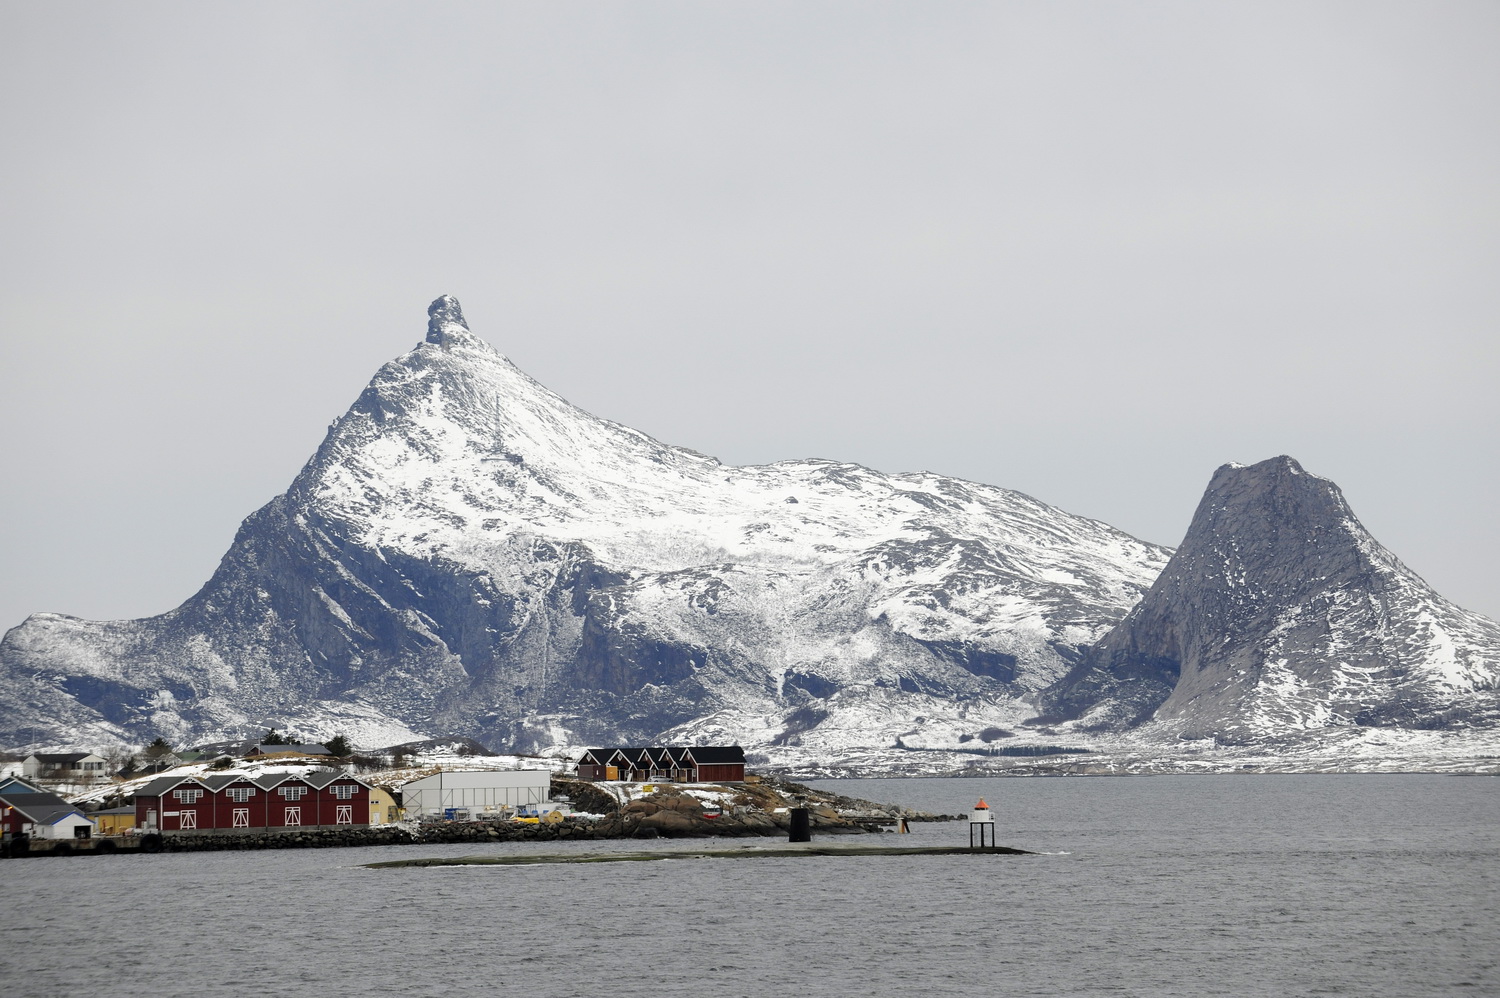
{"points": [[781, 852]]}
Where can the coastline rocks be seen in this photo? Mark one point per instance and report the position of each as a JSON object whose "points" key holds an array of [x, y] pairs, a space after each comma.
{"points": [[674, 811]]}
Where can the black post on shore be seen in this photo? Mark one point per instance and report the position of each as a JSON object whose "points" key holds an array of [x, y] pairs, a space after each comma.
{"points": [[801, 828]]}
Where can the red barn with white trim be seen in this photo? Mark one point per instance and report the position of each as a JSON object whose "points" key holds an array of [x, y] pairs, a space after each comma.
{"points": [[238, 803]]}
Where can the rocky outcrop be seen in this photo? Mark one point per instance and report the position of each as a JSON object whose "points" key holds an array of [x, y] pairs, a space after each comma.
{"points": [[1280, 613]]}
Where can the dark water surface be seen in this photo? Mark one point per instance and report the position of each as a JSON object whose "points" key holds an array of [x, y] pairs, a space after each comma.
{"points": [[1242, 886]]}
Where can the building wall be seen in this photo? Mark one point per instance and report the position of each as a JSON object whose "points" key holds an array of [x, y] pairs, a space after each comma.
{"points": [[476, 791], [254, 807], [215, 810], [328, 804], [63, 828], [287, 809], [382, 807], [113, 824]]}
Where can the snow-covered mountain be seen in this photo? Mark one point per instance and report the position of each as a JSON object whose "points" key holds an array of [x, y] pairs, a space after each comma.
{"points": [[1278, 615], [467, 553]]}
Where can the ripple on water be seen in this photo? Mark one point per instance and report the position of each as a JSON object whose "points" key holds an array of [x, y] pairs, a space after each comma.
{"points": [[1162, 886]]}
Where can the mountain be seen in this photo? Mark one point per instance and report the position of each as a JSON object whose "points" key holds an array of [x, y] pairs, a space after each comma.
{"points": [[1280, 613], [469, 554]]}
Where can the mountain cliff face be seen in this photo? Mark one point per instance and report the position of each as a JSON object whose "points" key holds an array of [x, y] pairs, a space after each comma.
{"points": [[1280, 613], [467, 553]]}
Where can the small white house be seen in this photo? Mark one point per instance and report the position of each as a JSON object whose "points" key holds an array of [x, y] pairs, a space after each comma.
{"points": [[477, 793]]}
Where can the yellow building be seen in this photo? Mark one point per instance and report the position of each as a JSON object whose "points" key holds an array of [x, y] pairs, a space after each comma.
{"points": [[383, 806], [115, 821]]}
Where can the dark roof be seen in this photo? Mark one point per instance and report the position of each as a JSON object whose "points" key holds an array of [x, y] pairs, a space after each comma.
{"points": [[718, 755], [42, 808], [323, 777], [60, 756], [218, 781], [127, 809], [162, 784], [704, 755], [272, 780], [16, 785]]}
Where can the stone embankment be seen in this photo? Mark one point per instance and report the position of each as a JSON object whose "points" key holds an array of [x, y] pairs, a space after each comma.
{"points": [[750, 809]]}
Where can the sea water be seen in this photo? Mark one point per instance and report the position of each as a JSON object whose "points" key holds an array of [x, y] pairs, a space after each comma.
{"points": [[1151, 886]]}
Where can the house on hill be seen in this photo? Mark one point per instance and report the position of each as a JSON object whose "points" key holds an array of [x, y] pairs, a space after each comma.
{"points": [[16, 785], [264, 751], [696, 764], [70, 766]]}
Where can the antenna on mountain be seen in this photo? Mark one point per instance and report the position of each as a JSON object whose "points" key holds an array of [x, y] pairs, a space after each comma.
{"points": [[497, 439]]}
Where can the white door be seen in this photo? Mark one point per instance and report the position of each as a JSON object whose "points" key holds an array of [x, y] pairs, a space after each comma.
{"points": [[293, 816], [187, 819], [242, 817], [343, 814]]}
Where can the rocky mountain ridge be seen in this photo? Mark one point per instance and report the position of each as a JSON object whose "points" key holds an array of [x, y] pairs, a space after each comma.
{"points": [[469, 554]]}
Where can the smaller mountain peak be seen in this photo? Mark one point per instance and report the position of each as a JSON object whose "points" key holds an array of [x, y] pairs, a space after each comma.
{"points": [[444, 317], [1267, 472], [1286, 462]]}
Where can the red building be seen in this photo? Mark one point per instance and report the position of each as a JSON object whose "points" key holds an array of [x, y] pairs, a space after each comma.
{"points": [[719, 763], [277, 801]]}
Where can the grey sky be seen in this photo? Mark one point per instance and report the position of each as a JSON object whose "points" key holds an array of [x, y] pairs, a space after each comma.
{"points": [[1088, 251]]}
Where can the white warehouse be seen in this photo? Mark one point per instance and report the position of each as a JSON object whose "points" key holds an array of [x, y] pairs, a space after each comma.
{"points": [[478, 792]]}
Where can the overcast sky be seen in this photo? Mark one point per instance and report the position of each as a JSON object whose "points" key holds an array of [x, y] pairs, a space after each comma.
{"points": [[1089, 251]]}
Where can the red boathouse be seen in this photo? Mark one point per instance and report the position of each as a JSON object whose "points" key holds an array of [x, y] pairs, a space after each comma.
{"points": [[275, 802]]}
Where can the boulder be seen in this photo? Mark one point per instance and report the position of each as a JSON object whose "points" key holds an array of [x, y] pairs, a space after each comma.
{"points": [[672, 823]]}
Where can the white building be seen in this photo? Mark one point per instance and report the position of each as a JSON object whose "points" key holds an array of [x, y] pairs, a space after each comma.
{"points": [[478, 793], [64, 766]]}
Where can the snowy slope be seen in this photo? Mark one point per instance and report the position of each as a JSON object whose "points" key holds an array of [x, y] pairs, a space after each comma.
{"points": [[468, 553]]}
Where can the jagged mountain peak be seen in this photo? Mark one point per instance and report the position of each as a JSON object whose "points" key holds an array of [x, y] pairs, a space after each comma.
{"points": [[469, 553], [1280, 611], [445, 317]]}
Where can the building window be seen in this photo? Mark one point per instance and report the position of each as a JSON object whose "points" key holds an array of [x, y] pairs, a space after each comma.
{"points": [[292, 793], [188, 796], [240, 794], [344, 791]]}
